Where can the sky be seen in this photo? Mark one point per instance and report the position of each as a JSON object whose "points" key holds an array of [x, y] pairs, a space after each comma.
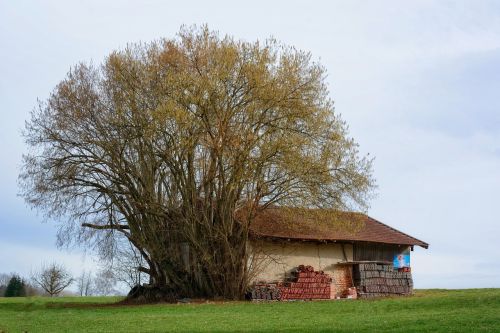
{"points": [[418, 83]]}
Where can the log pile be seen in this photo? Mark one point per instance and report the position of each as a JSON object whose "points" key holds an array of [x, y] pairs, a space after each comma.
{"points": [[266, 291], [305, 283], [376, 280]]}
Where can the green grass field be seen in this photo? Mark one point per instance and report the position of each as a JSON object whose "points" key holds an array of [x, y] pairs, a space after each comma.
{"points": [[474, 310]]}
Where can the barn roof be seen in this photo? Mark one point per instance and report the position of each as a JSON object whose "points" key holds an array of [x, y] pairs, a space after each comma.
{"points": [[326, 225]]}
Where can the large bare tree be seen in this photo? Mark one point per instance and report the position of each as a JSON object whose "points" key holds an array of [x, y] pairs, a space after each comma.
{"points": [[176, 144]]}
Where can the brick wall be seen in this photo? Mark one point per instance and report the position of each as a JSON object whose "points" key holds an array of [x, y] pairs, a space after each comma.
{"points": [[342, 280]]}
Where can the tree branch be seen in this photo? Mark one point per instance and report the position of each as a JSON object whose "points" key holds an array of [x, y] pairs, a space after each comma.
{"points": [[106, 226]]}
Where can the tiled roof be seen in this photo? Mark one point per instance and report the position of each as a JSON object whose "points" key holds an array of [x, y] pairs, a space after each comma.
{"points": [[324, 225]]}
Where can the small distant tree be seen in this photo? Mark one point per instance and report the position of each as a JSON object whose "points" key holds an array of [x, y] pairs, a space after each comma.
{"points": [[4, 281], [33, 290], [128, 265], [16, 287], [5, 278], [85, 283], [104, 282], [53, 278]]}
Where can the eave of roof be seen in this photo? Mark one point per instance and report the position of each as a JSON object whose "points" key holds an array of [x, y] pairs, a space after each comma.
{"points": [[275, 223]]}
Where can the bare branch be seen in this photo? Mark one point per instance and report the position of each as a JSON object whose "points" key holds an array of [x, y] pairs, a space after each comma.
{"points": [[106, 226]]}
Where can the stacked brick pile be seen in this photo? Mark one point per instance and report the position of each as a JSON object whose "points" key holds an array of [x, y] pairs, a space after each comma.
{"points": [[376, 280], [307, 283]]}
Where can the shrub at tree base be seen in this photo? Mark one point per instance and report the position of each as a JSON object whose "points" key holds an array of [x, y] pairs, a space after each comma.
{"points": [[151, 294]]}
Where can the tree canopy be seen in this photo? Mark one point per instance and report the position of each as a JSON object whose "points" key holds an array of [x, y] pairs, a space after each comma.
{"points": [[165, 142]]}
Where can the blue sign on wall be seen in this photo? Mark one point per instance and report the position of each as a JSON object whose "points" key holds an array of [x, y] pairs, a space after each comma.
{"points": [[402, 259]]}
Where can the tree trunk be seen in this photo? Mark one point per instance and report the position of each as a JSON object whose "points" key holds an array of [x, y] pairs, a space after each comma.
{"points": [[217, 269]]}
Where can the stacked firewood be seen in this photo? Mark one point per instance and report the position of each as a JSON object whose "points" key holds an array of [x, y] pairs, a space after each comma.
{"points": [[376, 280], [266, 291], [306, 283]]}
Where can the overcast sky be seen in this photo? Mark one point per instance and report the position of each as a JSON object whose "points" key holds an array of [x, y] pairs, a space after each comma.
{"points": [[418, 82]]}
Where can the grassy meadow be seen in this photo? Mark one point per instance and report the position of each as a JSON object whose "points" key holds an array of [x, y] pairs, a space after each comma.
{"points": [[472, 310]]}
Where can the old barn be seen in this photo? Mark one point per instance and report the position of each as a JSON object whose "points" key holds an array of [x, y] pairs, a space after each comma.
{"points": [[305, 254]]}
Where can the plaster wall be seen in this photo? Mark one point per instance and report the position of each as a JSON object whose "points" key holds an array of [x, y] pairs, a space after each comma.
{"points": [[273, 260]]}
